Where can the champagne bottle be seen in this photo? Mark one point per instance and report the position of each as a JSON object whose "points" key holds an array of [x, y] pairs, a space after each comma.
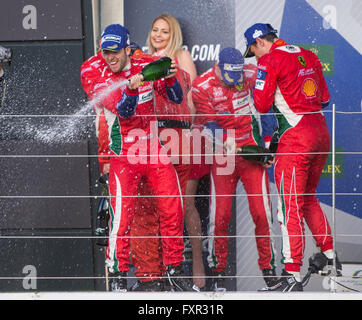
{"points": [[156, 69], [254, 153]]}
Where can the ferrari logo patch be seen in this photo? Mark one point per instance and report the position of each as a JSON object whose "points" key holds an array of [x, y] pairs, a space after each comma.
{"points": [[302, 61]]}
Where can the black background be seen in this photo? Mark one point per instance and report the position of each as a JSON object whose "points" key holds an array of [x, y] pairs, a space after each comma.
{"points": [[52, 233]]}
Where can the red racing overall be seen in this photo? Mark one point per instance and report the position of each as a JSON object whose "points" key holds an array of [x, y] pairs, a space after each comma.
{"points": [[174, 134], [292, 78], [135, 149], [232, 108]]}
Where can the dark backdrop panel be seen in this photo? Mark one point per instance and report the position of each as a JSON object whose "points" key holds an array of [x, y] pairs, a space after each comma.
{"points": [[34, 184], [40, 20], [43, 82], [44, 78], [61, 262]]}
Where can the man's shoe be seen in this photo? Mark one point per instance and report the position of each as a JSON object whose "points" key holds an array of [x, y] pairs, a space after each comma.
{"points": [[287, 283], [320, 264], [330, 265], [270, 279], [176, 280], [117, 282], [196, 288], [218, 282], [153, 286]]}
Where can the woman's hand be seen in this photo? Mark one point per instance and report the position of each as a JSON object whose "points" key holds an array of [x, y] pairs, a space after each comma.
{"points": [[173, 69]]}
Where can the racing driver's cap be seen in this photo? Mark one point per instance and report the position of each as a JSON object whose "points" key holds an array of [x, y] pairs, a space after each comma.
{"points": [[256, 31], [231, 64], [114, 38]]}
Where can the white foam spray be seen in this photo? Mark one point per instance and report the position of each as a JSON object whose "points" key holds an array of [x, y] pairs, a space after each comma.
{"points": [[67, 128]]}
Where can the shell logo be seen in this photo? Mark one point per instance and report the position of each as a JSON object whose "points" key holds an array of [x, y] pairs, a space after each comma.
{"points": [[309, 88]]}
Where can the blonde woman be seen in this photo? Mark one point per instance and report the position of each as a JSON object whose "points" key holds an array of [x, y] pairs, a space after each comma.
{"points": [[165, 39]]}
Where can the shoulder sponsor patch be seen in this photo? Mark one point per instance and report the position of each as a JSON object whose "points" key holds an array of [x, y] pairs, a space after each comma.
{"points": [[289, 48], [261, 74]]}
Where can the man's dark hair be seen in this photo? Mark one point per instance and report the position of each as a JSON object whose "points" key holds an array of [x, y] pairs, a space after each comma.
{"points": [[270, 37]]}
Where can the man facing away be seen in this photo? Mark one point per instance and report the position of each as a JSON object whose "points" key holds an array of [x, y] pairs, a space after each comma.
{"points": [[222, 97], [291, 80]]}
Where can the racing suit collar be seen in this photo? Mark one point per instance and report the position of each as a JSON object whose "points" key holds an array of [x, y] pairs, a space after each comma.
{"points": [[278, 43]]}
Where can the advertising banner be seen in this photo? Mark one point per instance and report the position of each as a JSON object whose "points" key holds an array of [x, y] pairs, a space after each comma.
{"points": [[329, 29]]}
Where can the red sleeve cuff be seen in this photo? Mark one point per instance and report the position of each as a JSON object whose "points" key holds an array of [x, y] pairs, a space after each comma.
{"points": [[131, 92], [170, 81]]}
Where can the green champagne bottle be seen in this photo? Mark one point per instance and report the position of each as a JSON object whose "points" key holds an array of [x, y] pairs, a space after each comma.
{"points": [[156, 69], [254, 153]]}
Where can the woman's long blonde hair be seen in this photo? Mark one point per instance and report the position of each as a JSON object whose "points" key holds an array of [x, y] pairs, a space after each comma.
{"points": [[175, 42]]}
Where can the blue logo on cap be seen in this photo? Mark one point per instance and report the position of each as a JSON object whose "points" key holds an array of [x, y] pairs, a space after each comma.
{"points": [[115, 37], [231, 64], [256, 31]]}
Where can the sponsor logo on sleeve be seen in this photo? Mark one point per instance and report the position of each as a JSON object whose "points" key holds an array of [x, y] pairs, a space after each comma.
{"points": [[261, 74], [259, 84], [145, 96], [301, 60]]}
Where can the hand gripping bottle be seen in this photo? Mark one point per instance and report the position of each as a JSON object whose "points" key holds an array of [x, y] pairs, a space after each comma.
{"points": [[254, 153], [157, 69]]}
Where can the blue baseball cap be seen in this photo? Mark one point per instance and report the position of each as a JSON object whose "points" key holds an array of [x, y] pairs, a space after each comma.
{"points": [[256, 31], [114, 38], [231, 64]]}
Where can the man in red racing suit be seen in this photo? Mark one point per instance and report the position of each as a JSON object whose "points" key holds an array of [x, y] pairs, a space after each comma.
{"points": [[136, 154], [291, 78], [174, 134], [223, 96]]}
